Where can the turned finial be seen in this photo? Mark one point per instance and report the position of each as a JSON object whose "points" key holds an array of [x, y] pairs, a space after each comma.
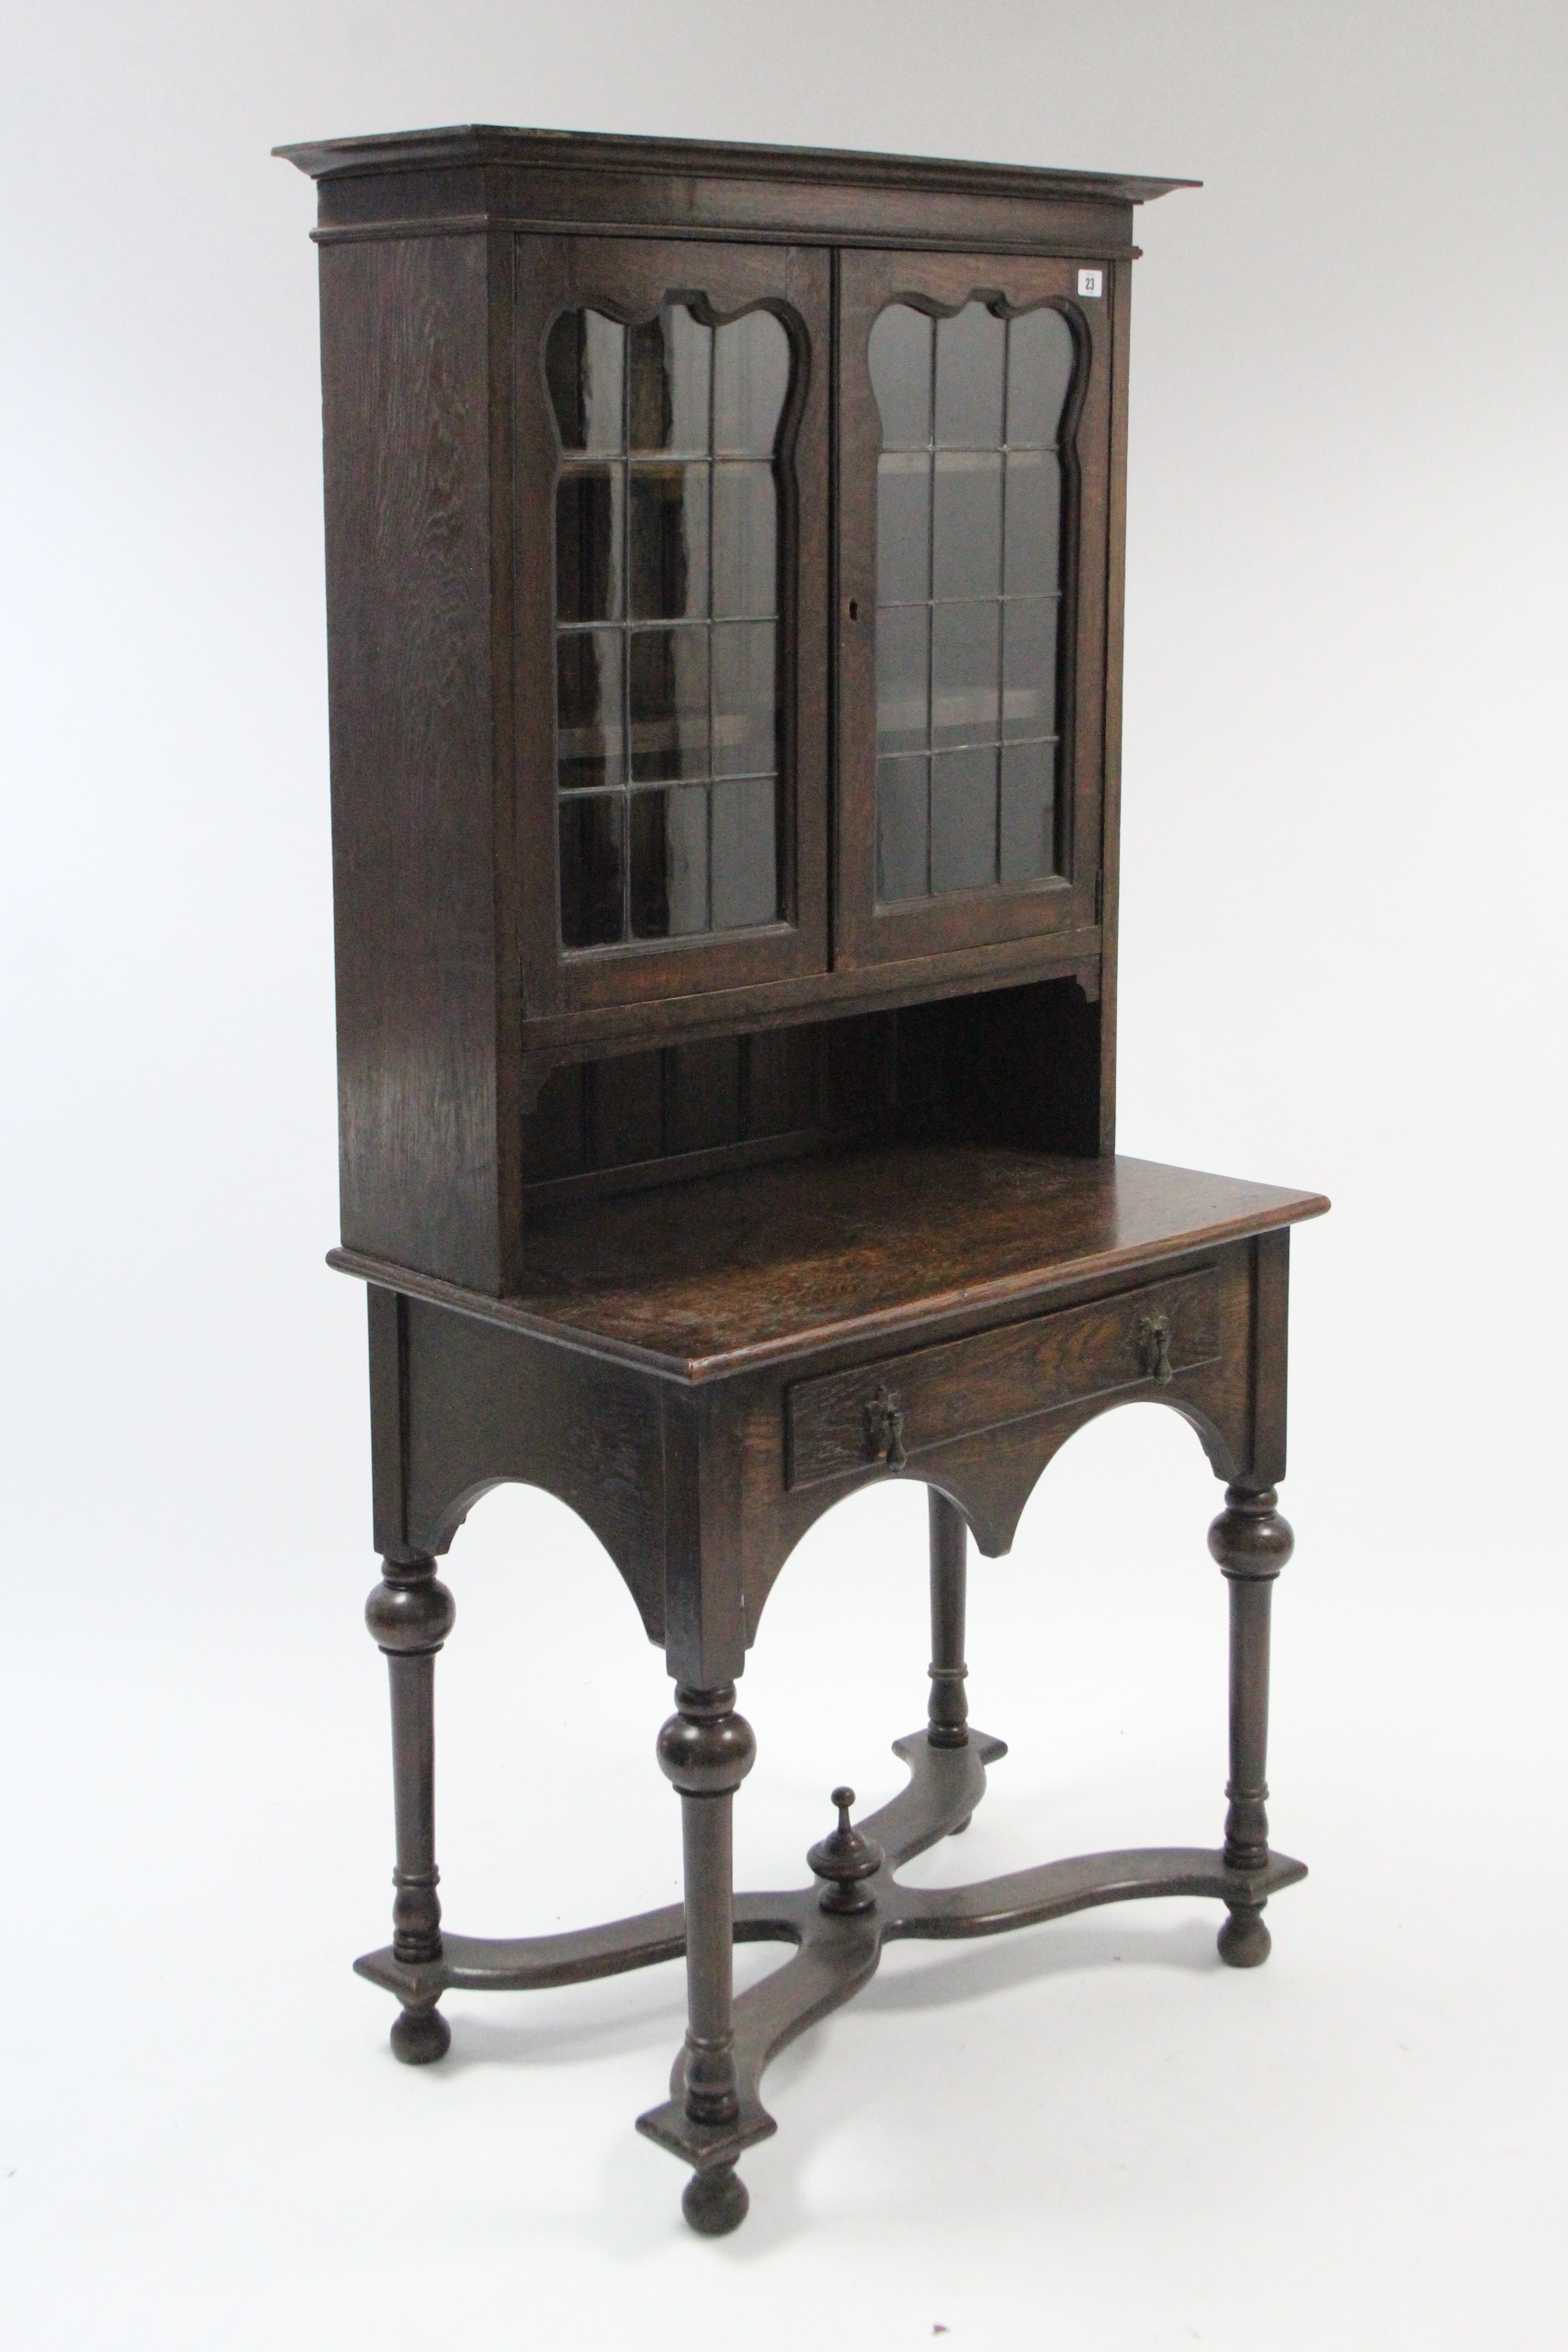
{"points": [[847, 1860]]}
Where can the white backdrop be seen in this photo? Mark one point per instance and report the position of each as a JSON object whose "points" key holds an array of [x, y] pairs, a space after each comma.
{"points": [[1344, 851]]}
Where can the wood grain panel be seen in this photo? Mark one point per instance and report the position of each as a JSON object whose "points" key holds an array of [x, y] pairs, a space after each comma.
{"points": [[483, 1406], [430, 1175]]}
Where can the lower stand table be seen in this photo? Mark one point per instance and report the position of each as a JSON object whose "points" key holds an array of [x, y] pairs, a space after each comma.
{"points": [[700, 1373]]}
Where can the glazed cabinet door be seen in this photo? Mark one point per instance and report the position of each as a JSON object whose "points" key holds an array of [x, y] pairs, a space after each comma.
{"points": [[975, 476], [671, 462]]}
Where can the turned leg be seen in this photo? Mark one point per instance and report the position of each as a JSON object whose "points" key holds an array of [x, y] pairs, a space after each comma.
{"points": [[1252, 1544], [410, 1615], [947, 1716], [707, 1750]]}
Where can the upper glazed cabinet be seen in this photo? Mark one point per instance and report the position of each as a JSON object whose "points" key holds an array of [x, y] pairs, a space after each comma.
{"points": [[724, 584]]}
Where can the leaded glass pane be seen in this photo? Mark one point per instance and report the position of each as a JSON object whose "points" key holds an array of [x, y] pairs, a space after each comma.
{"points": [[686, 860], [671, 364], [589, 538], [745, 700], [585, 362], [903, 829], [751, 379], [1039, 375], [899, 354], [966, 528], [1029, 662], [745, 853], [589, 707], [965, 663], [668, 542], [964, 819], [1034, 522], [745, 541], [666, 677], [1028, 831], [903, 527], [903, 678], [971, 361], [591, 869], [668, 863]]}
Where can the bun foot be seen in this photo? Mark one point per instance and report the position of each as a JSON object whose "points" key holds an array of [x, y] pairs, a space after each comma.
{"points": [[715, 2201], [959, 1827], [1243, 1940], [420, 2036]]}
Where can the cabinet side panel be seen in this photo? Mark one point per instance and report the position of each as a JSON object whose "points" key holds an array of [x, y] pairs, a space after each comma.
{"points": [[406, 370]]}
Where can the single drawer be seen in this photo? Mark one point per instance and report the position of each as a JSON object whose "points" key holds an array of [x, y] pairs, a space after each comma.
{"points": [[900, 1406]]}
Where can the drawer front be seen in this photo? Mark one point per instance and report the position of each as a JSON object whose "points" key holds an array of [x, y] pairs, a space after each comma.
{"points": [[904, 1404]]}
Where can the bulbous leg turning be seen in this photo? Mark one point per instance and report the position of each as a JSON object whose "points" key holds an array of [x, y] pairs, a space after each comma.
{"points": [[1252, 1543]]}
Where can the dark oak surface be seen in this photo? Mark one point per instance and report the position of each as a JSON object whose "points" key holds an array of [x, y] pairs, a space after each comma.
{"points": [[480, 175], [422, 876], [701, 1236], [549, 1040], [733, 1271]]}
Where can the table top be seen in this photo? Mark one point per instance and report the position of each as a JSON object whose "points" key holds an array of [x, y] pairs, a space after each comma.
{"points": [[723, 1273]]}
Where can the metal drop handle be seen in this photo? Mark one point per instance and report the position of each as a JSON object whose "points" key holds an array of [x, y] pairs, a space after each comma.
{"points": [[885, 1428], [1154, 1348]]}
